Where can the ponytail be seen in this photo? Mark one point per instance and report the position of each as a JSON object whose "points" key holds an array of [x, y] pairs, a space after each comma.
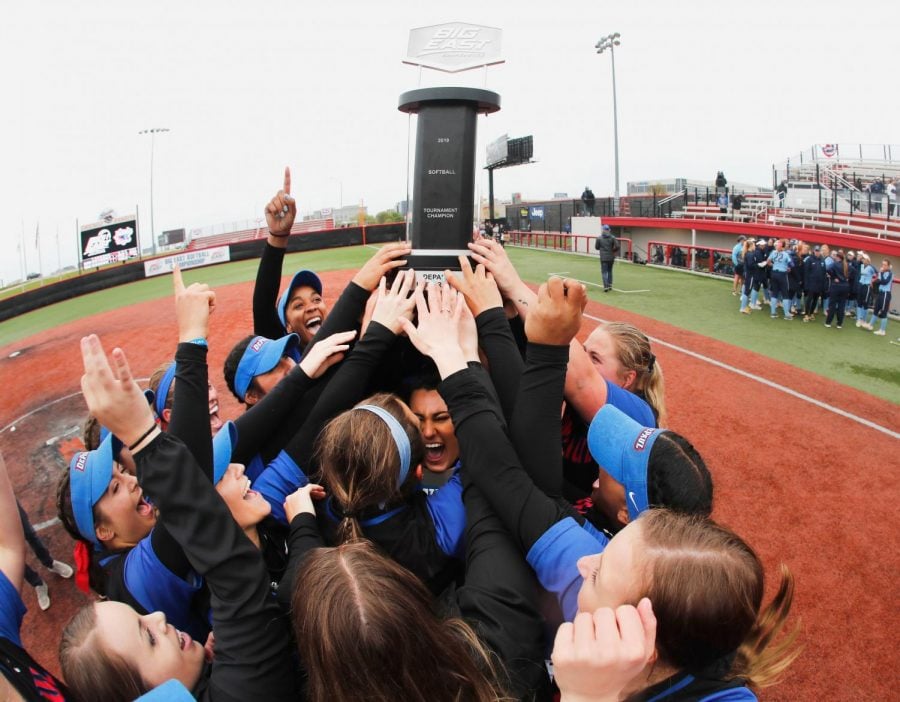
{"points": [[758, 661], [655, 393], [367, 460], [89, 573], [349, 530], [632, 349]]}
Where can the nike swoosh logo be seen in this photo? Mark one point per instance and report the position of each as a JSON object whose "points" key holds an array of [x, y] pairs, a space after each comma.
{"points": [[633, 501]]}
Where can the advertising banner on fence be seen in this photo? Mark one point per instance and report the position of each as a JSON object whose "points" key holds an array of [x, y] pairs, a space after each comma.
{"points": [[109, 241], [190, 259]]}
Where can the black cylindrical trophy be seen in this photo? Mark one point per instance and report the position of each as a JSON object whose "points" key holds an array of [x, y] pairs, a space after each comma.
{"points": [[444, 175]]}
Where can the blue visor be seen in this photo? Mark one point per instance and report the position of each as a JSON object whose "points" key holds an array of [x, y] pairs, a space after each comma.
{"points": [[89, 476], [300, 279], [622, 447], [261, 356], [223, 444]]}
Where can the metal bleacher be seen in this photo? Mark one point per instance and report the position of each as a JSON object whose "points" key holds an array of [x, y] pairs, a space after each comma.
{"points": [[828, 190]]}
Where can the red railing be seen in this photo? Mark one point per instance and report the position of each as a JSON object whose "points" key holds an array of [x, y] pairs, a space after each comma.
{"points": [[560, 241], [704, 259]]}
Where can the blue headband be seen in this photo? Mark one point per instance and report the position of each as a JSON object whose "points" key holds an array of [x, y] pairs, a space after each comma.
{"points": [[162, 391], [400, 438]]}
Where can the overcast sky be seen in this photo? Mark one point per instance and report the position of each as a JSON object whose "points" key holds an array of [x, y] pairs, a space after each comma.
{"points": [[249, 87]]}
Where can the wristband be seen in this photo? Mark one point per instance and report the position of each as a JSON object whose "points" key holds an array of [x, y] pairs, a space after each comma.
{"points": [[199, 341], [147, 433], [278, 236]]}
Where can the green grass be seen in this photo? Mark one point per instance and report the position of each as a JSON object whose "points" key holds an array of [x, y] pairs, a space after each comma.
{"points": [[696, 303], [161, 287], [705, 305]]}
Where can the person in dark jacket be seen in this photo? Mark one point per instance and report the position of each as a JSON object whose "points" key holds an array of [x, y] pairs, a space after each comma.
{"points": [[853, 266], [587, 197], [838, 290], [608, 246], [754, 275], [814, 282]]}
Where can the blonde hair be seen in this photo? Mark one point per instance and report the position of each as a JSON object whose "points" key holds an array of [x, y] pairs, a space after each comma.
{"points": [[633, 353], [706, 585]]}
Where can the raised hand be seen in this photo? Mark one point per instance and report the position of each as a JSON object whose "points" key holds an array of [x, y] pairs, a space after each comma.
{"points": [[468, 335], [111, 393], [301, 501], [386, 259], [281, 210], [478, 286], [326, 353], [395, 304], [439, 328], [494, 258], [193, 305], [556, 318], [598, 654]]}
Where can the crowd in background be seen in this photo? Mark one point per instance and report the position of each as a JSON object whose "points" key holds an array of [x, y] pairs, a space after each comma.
{"points": [[803, 279]]}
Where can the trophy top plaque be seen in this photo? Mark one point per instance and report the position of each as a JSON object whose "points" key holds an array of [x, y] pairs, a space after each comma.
{"points": [[454, 47]]}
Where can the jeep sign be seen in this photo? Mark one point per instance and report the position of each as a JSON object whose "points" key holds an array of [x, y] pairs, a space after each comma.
{"points": [[454, 47]]}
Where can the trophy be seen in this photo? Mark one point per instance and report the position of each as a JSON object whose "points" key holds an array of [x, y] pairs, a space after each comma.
{"points": [[444, 176]]}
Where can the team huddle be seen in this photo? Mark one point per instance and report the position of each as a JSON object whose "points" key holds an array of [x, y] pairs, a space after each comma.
{"points": [[800, 278], [433, 492]]}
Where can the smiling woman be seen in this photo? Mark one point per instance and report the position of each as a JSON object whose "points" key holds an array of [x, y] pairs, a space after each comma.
{"points": [[111, 641]]}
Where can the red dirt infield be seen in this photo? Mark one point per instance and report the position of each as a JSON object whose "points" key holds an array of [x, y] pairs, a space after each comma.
{"points": [[805, 486]]}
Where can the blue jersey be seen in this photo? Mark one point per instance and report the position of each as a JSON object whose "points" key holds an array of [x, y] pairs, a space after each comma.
{"points": [[22, 672], [150, 585], [554, 559], [781, 261], [866, 274], [885, 280], [630, 404], [736, 253]]}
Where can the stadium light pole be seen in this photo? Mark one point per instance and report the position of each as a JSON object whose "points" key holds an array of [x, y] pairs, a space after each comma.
{"points": [[611, 41], [152, 132]]}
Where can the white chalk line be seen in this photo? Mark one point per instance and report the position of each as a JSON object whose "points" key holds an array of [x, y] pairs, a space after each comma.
{"points": [[599, 285], [46, 525], [771, 384]]}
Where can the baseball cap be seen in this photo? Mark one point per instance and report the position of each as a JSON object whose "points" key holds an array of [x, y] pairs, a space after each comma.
{"points": [[261, 356], [89, 476], [300, 278], [223, 444], [817, 248], [622, 448], [605, 228], [761, 242]]}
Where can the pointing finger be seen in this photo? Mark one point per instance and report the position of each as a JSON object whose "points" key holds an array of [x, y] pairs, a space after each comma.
{"points": [[177, 279], [287, 180]]}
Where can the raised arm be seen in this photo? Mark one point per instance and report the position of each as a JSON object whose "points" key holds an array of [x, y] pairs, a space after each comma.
{"points": [[494, 334], [190, 406], [12, 538], [252, 651], [280, 213]]}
